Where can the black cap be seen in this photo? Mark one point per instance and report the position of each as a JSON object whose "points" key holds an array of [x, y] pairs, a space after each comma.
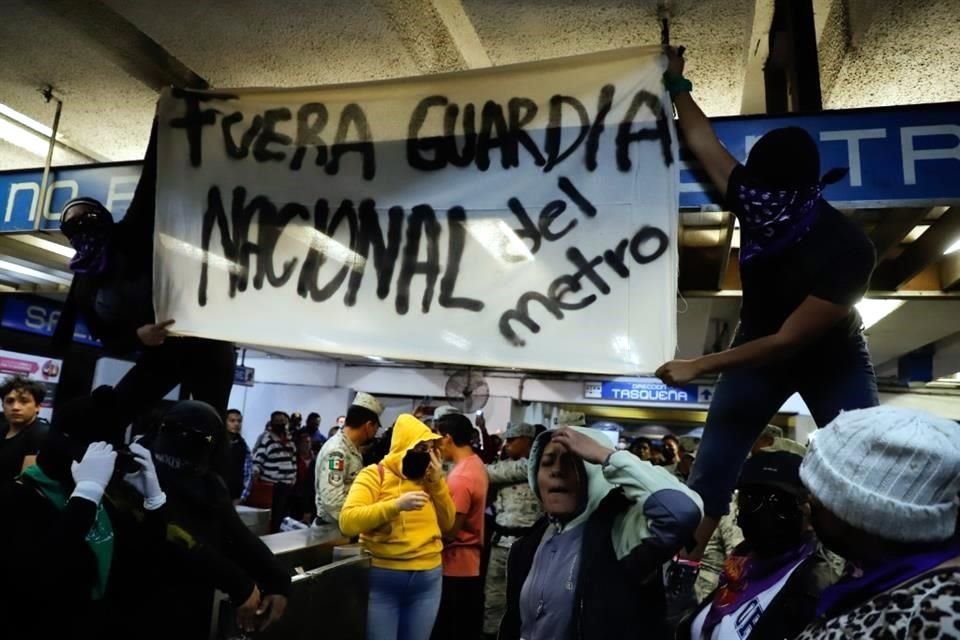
{"points": [[779, 469]]}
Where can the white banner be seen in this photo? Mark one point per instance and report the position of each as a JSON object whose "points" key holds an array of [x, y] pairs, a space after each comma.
{"points": [[521, 216]]}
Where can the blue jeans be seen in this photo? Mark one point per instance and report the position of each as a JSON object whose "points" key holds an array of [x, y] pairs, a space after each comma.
{"points": [[830, 379], [403, 604]]}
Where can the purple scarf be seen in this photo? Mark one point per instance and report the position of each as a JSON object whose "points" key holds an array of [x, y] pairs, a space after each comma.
{"points": [[862, 586], [91, 253], [770, 221], [746, 576]]}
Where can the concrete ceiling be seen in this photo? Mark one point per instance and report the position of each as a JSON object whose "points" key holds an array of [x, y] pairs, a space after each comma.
{"points": [[103, 58]]}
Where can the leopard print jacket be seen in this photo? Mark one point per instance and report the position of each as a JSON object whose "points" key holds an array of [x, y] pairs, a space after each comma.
{"points": [[926, 607]]}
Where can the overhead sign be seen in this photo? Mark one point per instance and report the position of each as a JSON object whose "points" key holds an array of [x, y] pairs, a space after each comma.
{"points": [[40, 369], [112, 184], [898, 156], [648, 391], [40, 316], [493, 217], [243, 376]]}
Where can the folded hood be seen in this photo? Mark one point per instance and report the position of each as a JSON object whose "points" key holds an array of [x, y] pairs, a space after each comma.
{"points": [[597, 485], [408, 432]]}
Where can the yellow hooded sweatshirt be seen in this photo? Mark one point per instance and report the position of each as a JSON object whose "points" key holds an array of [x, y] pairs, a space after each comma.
{"points": [[401, 540]]}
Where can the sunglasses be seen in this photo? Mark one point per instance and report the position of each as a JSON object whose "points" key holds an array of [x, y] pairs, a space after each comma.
{"points": [[89, 220], [752, 501]]}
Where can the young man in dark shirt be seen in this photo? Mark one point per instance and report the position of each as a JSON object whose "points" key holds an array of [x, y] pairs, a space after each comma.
{"points": [[22, 430]]}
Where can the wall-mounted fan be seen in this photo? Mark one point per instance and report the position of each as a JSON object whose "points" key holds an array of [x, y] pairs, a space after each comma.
{"points": [[468, 391]]}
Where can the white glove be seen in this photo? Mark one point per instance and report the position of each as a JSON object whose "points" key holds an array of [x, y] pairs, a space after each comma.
{"points": [[92, 473], [145, 481]]}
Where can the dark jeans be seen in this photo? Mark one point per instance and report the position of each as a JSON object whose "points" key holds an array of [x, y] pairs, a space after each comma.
{"points": [[280, 507], [203, 369], [830, 379], [461, 609]]}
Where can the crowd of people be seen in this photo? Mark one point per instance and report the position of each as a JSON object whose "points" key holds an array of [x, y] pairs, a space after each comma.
{"points": [[538, 534]]}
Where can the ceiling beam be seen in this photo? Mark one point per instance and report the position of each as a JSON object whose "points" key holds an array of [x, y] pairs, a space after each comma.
{"points": [[463, 33], [893, 226], [437, 34], [926, 250], [122, 43], [754, 98]]}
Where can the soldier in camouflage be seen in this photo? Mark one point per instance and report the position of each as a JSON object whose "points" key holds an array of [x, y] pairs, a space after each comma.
{"points": [[340, 460], [517, 510]]}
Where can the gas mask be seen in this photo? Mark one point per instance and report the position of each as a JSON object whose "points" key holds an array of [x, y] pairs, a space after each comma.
{"points": [[89, 234]]}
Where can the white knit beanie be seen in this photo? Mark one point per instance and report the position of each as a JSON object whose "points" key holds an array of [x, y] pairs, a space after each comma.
{"points": [[891, 472]]}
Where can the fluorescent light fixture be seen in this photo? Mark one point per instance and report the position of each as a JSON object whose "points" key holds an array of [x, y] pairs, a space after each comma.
{"points": [[46, 245], [873, 311], [33, 273], [23, 138], [25, 121], [953, 248], [375, 358], [499, 240]]}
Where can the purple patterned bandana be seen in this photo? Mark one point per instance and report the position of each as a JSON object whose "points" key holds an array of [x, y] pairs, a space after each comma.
{"points": [[770, 221], [91, 253]]}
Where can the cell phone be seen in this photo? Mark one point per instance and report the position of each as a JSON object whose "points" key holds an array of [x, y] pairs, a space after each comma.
{"points": [[126, 462], [479, 414]]}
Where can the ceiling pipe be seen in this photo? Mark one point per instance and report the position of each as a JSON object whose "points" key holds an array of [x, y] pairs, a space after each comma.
{"points": [[40, 208]]}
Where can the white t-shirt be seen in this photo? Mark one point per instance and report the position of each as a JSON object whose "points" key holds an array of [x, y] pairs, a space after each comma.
{"points": [[739, 623]]}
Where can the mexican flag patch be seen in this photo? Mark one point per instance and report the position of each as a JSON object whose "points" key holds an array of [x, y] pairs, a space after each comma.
{"points": [[335, 463]]}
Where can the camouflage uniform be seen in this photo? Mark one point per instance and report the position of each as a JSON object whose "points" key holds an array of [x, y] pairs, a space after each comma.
{"points": [[517, 508], [722, 543], [338, 464]]}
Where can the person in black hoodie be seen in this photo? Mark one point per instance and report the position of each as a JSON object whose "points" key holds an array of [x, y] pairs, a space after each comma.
{"points": [[215, 550], [74, 559], [590, 569], [772, 581], [113, 290]]}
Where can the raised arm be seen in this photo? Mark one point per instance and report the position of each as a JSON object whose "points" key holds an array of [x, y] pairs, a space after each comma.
{"points": [[697, 131]]}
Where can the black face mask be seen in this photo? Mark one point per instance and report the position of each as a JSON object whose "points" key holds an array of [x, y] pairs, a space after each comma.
{"points": [[771, 524], [415, 464]]}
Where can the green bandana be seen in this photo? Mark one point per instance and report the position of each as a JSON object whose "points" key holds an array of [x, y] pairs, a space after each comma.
{"points": [[100, 536]]}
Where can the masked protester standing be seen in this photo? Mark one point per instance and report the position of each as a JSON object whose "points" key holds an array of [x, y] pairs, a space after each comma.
{"points": [[517, 510], [884, 483], [592, 567], [113, 290], [215, 549], [275, 462], [804, 266], [340, 459], [401, 508], [771, 583]]}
